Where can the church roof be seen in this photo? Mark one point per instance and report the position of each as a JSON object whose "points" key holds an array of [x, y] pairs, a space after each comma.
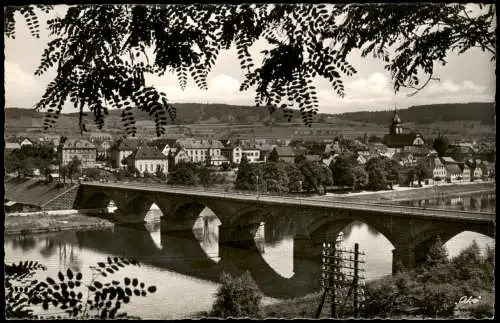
{"points": [[398, 140]]}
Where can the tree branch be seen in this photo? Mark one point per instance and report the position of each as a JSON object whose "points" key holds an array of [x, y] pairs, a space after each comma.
{"points": [[418, 89]]}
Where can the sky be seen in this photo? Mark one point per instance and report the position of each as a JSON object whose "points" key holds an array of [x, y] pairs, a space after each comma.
{"points": [[469, 77]]}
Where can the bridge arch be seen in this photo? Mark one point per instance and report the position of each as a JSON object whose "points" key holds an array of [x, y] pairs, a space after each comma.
{"points": [[100, 200], [328, 228]]}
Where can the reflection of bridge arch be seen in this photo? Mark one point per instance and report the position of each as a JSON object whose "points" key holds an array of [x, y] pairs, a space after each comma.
{"points": [[422, 243], [185, 255]]}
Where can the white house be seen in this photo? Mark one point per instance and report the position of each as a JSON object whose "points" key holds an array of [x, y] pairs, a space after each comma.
{"points": [[12, 146], [148, 159], [453, 171], [199, 150], [232, 153], [478, 172], [82, 149], [465, 172], [176, 156], [361, 159], [438, 169], [252, 153], [219, 160]]}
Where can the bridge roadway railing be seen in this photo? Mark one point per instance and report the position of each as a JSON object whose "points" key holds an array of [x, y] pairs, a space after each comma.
{"points": [[322, 201]]}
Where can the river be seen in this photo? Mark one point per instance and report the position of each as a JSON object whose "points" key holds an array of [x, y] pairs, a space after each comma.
{"points": [[185, 268]]}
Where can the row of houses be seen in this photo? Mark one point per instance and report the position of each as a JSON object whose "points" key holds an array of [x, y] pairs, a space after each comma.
{"points": [[446, 168]]}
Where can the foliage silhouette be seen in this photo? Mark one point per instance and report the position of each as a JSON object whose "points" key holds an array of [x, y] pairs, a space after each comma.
{"points": [[100, 52], [103, 300]]}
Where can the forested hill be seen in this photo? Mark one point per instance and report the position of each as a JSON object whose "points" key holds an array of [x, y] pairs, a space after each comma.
{"points": [[187, 113], [425, 114], [192, 113]]}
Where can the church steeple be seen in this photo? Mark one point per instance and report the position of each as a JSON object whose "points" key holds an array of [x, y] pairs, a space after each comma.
{"points": [[395, 127]]}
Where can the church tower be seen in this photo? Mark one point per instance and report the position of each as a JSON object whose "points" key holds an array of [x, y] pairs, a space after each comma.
{"points": [[395, 127]]}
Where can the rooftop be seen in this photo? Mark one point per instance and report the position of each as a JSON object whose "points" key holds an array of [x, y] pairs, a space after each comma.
{"points": [[148, 153], [78, 144]]}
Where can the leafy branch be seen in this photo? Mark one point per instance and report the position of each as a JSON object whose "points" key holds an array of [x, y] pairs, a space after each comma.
{"points": [[101, 52], [104, 299]]}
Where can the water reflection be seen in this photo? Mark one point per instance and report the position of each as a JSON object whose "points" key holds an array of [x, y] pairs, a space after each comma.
{"points": [[186, 266], [485, 202]]}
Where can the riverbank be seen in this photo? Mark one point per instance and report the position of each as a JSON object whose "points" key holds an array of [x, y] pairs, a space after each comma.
{"points": [[37, 223], [306, 307], [417, 193]]}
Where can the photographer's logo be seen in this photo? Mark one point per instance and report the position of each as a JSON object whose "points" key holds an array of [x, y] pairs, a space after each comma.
{"points": [[469, 300]]}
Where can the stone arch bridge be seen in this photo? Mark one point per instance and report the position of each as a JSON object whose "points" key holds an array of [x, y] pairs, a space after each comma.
{"points": [[411, 230]]}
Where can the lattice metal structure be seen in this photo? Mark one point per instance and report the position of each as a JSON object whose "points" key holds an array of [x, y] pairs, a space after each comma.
{"points": [[342, 279]]}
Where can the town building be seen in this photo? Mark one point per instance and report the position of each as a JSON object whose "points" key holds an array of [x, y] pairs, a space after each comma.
{"points": [[405, 159], [99, 136], [82, 149], [466, 175], [402, 141], [26, 142], [219, 160], [149, 159], [10, 146], [286, 154], [438, 169], [382, 150], [453, 171], [176, 155], [122, 149], [488, 169], [199, 150], [233, 153], [252, 153]]}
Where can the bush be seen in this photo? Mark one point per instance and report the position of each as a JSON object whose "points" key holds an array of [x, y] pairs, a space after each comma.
{"points": [[237, 297], [438, 300]]}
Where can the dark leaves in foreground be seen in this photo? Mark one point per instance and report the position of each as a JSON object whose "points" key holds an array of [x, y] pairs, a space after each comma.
{"points": [[103, 300], [130, 42]]}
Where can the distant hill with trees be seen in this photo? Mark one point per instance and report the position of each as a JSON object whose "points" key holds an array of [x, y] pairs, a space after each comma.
{"points": [[426, 114], [435, 116]]}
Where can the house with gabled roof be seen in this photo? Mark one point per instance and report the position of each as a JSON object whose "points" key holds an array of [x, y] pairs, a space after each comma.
{"points": [[466, 174], [123, 148], [438, 168], [82, 149], [26, 142], [199, 150], [453, 171], [149, 159]]}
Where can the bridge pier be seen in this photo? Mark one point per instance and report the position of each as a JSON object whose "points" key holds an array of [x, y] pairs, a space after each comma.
{"points": [[306, 247], [246, 237], [176, 225]]}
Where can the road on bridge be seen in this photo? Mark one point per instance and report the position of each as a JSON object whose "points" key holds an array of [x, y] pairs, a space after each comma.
{"points": [[319, 201]]}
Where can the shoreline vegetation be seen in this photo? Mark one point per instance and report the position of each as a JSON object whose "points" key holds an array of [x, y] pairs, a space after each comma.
{"points": [[459, 287], [19, 224]]}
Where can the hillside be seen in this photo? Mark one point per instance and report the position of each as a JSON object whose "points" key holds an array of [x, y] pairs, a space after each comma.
{"points": [[453, 120], [426, 114]]}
